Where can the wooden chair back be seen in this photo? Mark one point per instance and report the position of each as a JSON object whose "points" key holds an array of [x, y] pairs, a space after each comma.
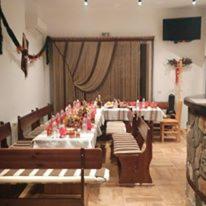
{"points": [[5, 131], [178, 111]]}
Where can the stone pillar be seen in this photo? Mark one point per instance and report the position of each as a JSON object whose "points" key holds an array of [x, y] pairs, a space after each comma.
{"points": [[196, 159]]}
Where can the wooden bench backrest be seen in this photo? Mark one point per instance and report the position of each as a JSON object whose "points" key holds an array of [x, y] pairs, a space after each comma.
{"points": [[143, 129], [142, 132], [28, 121], [5, 131], [45, 111], [50, 158], [32, 120]]}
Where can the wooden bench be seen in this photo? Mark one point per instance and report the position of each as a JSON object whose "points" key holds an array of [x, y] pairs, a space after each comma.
{"points": [[21, 183], [30, 126], [5, 133], [134, 159]]}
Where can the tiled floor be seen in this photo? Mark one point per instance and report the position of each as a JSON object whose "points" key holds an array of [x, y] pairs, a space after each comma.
{"points": [[168, 173]]}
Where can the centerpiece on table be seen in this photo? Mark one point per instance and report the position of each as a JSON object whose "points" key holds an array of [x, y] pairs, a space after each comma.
{"points": [[109, 104], [123, 104], [71, 120]]}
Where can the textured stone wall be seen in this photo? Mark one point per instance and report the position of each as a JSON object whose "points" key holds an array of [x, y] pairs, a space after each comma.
{"points": [[196, 158]]}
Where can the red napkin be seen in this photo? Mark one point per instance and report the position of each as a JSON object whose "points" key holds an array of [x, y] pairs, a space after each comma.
{"points": [[62, 131], [49, 129], [132, 104], [93, 113], [89, 124]]}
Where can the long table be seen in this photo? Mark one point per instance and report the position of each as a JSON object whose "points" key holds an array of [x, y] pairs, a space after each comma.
{"points": [[88, 139], [126, 114]]}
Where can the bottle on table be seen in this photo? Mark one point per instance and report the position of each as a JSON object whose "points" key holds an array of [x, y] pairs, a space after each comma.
{"points": [[137, 103], [84, 123], [143, 103]]}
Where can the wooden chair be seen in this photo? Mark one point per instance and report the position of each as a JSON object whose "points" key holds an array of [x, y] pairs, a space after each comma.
{"points": [[5, 131], [62, 185], [172, 126]]}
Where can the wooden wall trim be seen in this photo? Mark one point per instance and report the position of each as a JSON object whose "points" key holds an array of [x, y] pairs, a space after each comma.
{"points": [[60, 39]]}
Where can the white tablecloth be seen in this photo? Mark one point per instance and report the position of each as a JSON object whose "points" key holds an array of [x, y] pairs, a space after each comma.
{"points": [[86, 140], [99, 121], [116, 114], [125, 114], [150, 114]]}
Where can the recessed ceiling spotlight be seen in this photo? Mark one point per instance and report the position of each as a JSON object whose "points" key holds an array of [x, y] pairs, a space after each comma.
{"points": [[140, 2], [194, 2], [85, 2]]}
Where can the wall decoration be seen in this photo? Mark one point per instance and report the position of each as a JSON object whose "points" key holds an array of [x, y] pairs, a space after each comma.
{"points": [[179, 66], [24, 48]]}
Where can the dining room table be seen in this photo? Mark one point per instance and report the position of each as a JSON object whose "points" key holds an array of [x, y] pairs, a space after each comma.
{"points": [[88, 138]]}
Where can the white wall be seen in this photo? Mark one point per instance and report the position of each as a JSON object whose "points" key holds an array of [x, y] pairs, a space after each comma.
{"points": [[18, 95], [141, 21], [24, 94]]}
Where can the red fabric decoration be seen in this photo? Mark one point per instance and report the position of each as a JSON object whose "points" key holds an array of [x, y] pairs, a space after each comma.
{"points": [[177, 75], [24, 58]]}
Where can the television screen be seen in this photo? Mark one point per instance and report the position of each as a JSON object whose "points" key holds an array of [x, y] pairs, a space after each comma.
{"points": [[182, 29]]}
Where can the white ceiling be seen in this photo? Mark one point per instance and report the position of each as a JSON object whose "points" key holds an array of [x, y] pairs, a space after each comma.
{"points": [[65, 4], [54, 12]]}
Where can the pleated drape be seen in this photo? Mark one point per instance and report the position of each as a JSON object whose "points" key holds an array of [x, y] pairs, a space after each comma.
{"points": [[101, 68], [86, 63], [57, 77], [84, 69]]}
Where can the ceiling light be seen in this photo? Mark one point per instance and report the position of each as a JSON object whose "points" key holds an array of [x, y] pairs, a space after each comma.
{"points": [[85, 2], [194, 2], [140, 2]]}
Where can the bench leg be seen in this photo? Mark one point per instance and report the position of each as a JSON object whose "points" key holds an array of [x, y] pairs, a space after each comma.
{"points": [[134, 169]]}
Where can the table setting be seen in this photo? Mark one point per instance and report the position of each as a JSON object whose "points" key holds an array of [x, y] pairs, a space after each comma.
{"points": [[79, 125], [75, 127]]}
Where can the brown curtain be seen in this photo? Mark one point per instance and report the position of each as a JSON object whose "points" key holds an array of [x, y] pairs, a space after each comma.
{"points": [[86, 63], [149, 73], [101, 68], [84, 69], [57, 77], [122, 81]]}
